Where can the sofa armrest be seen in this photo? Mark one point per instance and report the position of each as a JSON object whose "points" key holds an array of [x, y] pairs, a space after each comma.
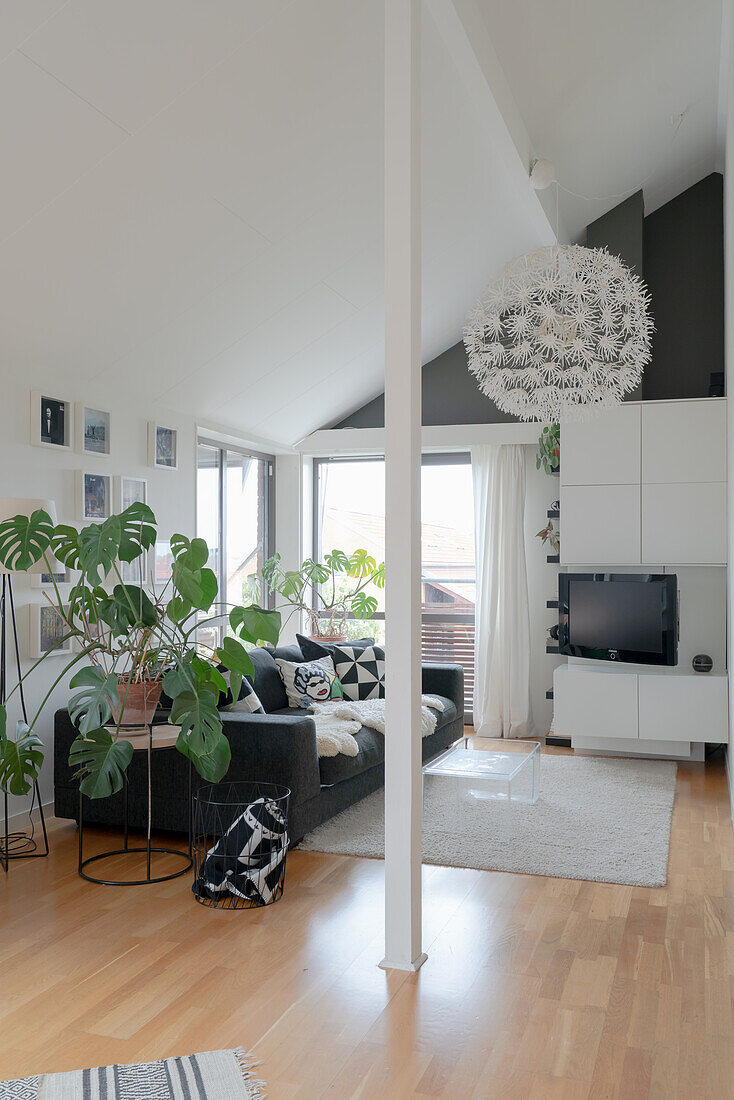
{"points": [[274, 748], [446, 680]]}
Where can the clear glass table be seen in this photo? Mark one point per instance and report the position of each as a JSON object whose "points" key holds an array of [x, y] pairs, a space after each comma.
{"points": [[485, 768]]}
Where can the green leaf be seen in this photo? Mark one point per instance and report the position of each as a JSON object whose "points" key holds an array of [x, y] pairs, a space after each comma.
{"points": [[198, 586], [361, 564], [198, 717], [379, 577], [255, 624], [101, 762], [208, 676], [233, 655], [20, 760], [127, 607], [178, 544], [3, 721], [65, 545], [363, 606], [137, 531], [178, 609], [315, 571], [98, 547], [25, 539], [337, 560], [93, 704], [179, 679], [212, 765], [290, 585]]}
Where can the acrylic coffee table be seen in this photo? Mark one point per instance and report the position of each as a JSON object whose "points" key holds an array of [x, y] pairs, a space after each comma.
{"points": [[485, 768]]}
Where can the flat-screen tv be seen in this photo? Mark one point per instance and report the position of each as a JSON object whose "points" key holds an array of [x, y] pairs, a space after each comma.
{"points": [[619, 617]]}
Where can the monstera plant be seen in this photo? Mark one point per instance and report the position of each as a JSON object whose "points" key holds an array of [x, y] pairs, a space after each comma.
{"points": [[131, 642], [328, 591]]}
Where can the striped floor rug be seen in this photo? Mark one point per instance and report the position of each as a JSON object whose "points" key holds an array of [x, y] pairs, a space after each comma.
{"points": [[218, 1075]]}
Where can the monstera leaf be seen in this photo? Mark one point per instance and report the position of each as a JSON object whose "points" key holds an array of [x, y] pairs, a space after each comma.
{"points": [[93, 703], [101, 762], [201, 734], [25, 539], [361, 564], [198, 587], [98, 548], [337, 560], [363, 606], [65, 545], [315, 571], [233, 655], [128, 606], [20, 760], [137, 531], [254, 624]]}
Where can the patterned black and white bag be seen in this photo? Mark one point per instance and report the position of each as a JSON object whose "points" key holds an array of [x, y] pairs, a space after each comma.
{"points": [[248, 860]]}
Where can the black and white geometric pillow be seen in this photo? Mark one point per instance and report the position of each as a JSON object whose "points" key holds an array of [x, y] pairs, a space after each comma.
{"points": [[248, 702], [361, 671]]}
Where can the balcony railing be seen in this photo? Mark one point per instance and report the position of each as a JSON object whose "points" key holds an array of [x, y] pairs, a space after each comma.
{"points": [[450, 638]]}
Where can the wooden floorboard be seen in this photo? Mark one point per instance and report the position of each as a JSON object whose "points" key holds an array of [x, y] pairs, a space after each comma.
{"points": [[535, 988]]}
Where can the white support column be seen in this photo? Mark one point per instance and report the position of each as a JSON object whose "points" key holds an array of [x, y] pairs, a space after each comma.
{"points": [[403, 779]]}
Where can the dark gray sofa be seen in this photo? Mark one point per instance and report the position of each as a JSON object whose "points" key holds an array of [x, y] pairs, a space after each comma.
{"points": [[278, 746]]}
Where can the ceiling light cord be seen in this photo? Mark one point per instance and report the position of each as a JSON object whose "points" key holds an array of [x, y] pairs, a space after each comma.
{"points": [[677, 121]]}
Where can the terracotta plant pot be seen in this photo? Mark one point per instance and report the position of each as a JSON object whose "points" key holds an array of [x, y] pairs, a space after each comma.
{"points": [[140, 701], [330, 639]]}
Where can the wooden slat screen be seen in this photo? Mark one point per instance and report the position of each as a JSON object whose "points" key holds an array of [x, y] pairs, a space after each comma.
{"points": [[452, 642]]}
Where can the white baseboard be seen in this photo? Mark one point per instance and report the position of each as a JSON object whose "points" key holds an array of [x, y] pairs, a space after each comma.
{"points": [[19, 822]]}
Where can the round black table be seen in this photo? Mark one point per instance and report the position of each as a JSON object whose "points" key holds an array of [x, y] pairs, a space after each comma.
{"points": [[142, 739]]}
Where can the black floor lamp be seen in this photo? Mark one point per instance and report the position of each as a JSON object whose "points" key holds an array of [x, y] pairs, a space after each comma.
{"points": [[17, 844]]}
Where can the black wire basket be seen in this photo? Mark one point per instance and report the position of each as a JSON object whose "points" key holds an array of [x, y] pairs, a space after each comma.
{"points": [[240, 840]]}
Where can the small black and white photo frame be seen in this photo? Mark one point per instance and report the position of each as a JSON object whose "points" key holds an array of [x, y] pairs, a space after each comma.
{"points": [[51, 420], [46, 629], [61, 576], [94, 493], [131, 490], [162, 446], [93, 430]]}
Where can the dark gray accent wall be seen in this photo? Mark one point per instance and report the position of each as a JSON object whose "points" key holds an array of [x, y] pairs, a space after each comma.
{"points": [[621, 230], [679, 250], [684, 270], [450, 396]]}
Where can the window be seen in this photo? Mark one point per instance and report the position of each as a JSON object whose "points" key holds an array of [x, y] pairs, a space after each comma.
{"points": [[234, 513], [349, 502]]}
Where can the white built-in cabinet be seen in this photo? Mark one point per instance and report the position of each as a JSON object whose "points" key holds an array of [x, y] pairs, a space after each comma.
{"points": [[645, 483]]}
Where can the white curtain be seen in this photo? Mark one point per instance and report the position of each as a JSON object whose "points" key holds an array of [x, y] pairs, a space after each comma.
{"points": [[502, 705]]}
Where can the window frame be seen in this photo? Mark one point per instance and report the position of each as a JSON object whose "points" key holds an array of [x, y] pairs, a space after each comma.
{"points": [[222, 449]]}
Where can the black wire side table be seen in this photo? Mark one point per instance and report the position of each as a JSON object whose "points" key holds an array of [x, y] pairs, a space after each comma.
{"points": [[142, 739]]}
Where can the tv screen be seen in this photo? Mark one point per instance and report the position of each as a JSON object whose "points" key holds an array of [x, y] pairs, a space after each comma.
{"points": [[619, 617]]}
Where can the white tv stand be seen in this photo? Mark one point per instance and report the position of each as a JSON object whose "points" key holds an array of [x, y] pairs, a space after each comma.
{"points": [[638, 708]]}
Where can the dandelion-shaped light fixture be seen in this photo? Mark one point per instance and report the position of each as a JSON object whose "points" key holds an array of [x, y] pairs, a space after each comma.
{"points": [[562, 332]]}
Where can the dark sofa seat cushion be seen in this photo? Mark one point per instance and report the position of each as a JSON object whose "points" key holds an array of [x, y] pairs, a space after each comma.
{"points": [[334, 769]]}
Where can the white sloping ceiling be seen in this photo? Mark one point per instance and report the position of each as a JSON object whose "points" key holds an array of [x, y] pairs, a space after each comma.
{"points": [[601, 86], [191, 204]]}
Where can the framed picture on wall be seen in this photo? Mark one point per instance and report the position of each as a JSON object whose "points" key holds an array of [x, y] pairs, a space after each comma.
{"points": [[162, 446], [131, 490], [61, 575], [93, 430], [46, 629], [51, 420], [95, 493]]}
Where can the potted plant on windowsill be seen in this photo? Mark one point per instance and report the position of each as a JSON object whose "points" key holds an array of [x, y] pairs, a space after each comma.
{"points": [[328, 592], [132, 642]]}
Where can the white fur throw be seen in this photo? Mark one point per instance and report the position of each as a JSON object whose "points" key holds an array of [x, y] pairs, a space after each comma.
{"points": [[339, 720]]}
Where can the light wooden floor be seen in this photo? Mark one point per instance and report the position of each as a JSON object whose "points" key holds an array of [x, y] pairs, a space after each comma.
{"points": [[534, 987]]}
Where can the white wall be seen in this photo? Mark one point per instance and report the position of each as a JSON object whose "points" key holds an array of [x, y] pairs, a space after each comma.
{"points": [[726, 108], [28, 471]]}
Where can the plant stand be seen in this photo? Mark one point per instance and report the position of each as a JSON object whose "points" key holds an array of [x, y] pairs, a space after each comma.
{"points": [[143, 740], [16, 845]]}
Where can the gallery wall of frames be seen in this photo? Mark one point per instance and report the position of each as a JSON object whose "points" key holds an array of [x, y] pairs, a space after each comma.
{"points": [[91, 459]]}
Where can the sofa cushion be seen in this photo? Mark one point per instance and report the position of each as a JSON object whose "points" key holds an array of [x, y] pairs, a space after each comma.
{"points": [[333, 769], [361, 671], [312, 650], [309, 680], [266, 681]]}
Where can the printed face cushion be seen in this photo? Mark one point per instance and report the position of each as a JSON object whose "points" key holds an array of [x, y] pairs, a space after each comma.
{"points": [[309, 682], [361, 671]]}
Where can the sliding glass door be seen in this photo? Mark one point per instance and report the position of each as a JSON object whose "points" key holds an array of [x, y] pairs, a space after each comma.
{"points": [[235, 515]]}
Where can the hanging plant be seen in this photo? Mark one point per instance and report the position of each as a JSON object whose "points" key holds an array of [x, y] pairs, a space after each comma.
{"points": [[550, 535], [549, 449]]}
